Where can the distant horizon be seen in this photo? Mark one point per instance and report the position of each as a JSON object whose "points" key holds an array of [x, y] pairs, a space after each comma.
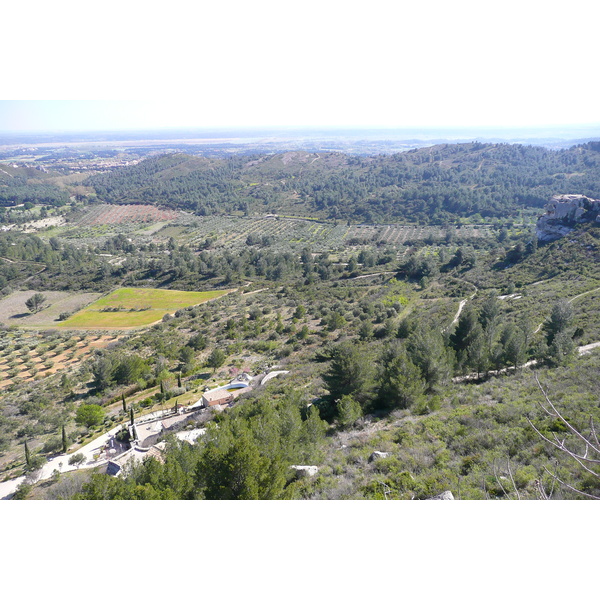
{"points": [[210, 114], [560, 131], [301, 128]]}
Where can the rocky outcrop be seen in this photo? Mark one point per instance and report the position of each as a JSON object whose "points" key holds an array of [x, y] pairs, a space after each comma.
{"points": [[447, 495], [563, 213]]}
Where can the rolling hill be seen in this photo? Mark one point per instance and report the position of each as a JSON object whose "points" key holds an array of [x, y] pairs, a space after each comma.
{"points": [[435, 185]]}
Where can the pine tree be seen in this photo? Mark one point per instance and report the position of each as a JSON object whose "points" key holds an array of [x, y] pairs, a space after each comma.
{"points": [[348, 412], [350, 372], [560, 320], [216, 359], [490, 310], [427, 350], [400, 381], [466, 336]]}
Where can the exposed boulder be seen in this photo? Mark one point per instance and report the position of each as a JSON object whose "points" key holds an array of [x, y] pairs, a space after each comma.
{"points": [[305, 470], [563, 213], [447, 495], [375, 455]]}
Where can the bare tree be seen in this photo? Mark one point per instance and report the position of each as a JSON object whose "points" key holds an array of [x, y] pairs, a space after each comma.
{"points": [[584, 449]]}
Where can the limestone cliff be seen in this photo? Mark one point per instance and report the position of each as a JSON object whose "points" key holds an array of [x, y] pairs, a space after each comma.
{"points": [[563, 213]]}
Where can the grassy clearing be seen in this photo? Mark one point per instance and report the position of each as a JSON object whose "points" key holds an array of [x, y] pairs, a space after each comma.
{"points": [[136, 307]]}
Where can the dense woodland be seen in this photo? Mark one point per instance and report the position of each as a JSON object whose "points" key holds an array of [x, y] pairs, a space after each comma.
{"points": [[380, 357], [437, 185]]}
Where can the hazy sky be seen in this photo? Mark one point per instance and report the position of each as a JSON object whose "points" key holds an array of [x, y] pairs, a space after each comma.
{"points": [[325, 63]]}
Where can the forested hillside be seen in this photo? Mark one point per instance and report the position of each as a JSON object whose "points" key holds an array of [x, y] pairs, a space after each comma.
{"points": [[436, 185], [28, 184]]}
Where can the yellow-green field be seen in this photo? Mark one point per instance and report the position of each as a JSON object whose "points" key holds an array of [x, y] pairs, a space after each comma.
{"points": [[137, 307]]}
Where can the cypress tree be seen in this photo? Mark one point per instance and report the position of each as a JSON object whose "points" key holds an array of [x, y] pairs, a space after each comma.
{"points": [[131, 414], [64, 440], [179, 379], [124, 403], [27, 455]]}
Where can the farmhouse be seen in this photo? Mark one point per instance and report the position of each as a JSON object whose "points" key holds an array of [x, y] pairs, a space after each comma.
{"points": [[217, 397]]}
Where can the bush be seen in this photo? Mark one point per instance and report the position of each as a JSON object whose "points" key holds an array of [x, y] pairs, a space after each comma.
{"points": [[89, 415], [23, 491], [123, 435], [52, 446], [36, 462], [77, 459]]}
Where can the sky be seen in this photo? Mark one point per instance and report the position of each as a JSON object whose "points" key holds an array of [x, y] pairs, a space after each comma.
{"points": [[319, 64]]}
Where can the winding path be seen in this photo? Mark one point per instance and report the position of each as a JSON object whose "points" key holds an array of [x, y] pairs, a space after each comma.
{"points": [[569, 301], [581, 350], [461, 305]]}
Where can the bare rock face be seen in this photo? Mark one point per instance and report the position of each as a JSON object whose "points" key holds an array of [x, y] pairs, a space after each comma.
{"points": [[447, 495], [563, 213]]}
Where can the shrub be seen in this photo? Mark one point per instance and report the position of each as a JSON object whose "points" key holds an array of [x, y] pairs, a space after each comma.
{"points": [[89, 415], [52, 446], [77, 459], [23, 491], [123, 435]]}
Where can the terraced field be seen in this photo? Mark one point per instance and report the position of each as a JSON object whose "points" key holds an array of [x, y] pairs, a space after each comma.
{"points": [[149, 223], [288, 232], [25, 355]]}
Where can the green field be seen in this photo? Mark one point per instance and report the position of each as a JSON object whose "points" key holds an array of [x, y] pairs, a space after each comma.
{"points": [[136, 307]]}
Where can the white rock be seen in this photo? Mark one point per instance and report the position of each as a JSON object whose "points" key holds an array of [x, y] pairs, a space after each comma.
{"points": [[447, 495], [375, 455], [305, 470]]}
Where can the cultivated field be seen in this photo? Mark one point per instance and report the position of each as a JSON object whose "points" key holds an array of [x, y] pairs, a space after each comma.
{"points": [[13, 310], [286, 233], [107, 214], [25, 355], [150, 223], [135, 307]]}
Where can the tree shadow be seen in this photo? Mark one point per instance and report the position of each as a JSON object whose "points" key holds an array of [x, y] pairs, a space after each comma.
{"points": [[20, 316]]}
